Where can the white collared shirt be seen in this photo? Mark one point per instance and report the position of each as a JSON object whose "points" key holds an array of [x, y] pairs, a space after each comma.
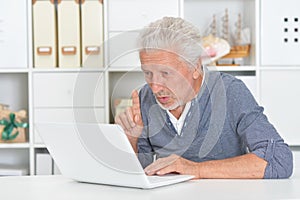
{"points": [[178, 123]]}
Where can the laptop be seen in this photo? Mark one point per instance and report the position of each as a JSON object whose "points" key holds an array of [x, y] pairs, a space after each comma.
{"points": [[98, 153]]}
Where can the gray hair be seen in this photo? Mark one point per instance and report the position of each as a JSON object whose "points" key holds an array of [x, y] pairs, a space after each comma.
{"points": [[174, 35]]}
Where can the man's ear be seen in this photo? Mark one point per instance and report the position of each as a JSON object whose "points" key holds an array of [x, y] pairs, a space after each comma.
{"points": [[198, 70]]}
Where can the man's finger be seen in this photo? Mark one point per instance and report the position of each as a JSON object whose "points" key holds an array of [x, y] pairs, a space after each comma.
{"points": [[136, 108], [167, 170], [137, 119], [161, 169], [130, 117], [125, 119], [119, 121], [160, 164], [135, 99]]}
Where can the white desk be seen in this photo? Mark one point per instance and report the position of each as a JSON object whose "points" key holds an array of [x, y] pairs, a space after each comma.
{"points": [[59, 187]]}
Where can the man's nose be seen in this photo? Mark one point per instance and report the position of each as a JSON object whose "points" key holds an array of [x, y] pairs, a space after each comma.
{"points": [[157, 83], [156, 87]]}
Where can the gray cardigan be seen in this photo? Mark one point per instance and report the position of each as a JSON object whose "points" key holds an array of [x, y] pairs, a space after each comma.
{"points": [[224, 121]]}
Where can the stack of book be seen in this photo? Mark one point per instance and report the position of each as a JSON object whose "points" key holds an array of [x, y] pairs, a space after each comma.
{"points": [[11, 170]]}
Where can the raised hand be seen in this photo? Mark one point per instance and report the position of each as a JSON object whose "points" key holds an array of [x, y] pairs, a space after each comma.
{"points": [[131, 120]]}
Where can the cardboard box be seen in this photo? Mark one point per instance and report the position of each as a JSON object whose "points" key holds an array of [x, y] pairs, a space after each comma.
{"points": [[9, 133]]}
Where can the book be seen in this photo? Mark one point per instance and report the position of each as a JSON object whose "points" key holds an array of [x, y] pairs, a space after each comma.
{"points": [[10, 170]]}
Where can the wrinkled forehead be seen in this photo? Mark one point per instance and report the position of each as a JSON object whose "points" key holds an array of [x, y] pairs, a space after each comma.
{"points": [[160, 57]]}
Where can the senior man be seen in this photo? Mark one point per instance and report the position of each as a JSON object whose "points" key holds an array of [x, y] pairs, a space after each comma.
{"points": [[190, 120]]}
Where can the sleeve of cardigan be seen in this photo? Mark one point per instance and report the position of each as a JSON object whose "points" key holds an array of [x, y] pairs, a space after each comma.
{"points": [[257, 132], [145, 152]]}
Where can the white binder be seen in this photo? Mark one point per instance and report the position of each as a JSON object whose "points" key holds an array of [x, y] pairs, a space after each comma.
{"points": [[43, 164], [92, 33], [68, 20], [44, 31]]}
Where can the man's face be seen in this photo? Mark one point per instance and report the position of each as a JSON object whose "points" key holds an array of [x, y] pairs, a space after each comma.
{"points": [[171, 80]]}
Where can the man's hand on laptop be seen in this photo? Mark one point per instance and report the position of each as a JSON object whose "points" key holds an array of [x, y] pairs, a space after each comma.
{"points": [[173, 164], [131, 120]]}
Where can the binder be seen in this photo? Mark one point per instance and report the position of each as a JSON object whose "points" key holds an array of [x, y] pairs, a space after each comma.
{"points": [[43, 164], [44, 31], [92, 33], [68, 21]]}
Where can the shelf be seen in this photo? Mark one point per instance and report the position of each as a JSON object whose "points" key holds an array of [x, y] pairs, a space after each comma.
{"points": [[280, 68], [15, 91], [40, 146], [47, 70], [124, 69], [221, 17], [6, 71], [14, 145], [232, 68]]}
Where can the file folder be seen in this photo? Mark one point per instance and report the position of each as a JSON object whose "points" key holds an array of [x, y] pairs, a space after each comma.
{"points": [[43, 164], [92, 33], [44, 31], [68, 20]]}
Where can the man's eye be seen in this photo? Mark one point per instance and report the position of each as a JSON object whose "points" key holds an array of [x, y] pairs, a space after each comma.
{"points": [[165, 73], [147, 73]]}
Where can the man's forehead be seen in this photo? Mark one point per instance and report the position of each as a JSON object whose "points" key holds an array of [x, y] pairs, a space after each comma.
{"points": [[159, 53], [159, 57]]}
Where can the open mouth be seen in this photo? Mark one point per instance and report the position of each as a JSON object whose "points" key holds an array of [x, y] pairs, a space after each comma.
{"points": [[163, 100]]}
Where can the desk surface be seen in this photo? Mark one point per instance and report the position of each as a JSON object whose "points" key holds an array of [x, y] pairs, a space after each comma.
{"points": [[59, 187]]}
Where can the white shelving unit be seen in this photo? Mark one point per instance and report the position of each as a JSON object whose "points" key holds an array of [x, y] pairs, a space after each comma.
{"points": [[15, 38], [49, 95], [280, 66]]}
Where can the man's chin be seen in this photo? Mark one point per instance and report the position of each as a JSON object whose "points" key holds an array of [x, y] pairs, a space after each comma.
{"points": [[170, 107]]}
